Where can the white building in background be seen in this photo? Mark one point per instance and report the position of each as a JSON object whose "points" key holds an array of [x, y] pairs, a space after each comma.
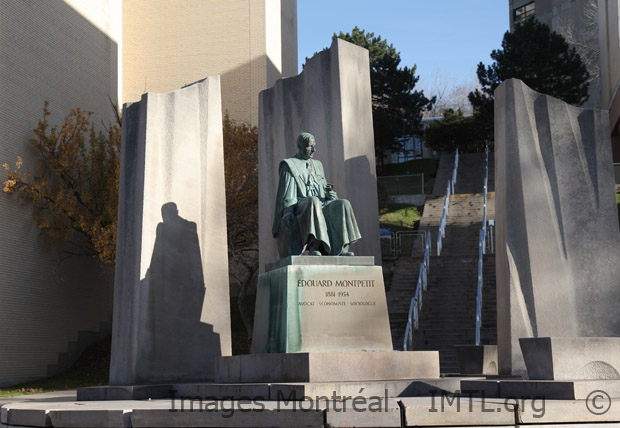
{"points": [[593, 24], [609, 42], [90, 54], [414, 147]]}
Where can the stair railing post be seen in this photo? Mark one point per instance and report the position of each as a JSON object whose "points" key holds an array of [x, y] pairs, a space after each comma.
{"points": [[428, 242]]}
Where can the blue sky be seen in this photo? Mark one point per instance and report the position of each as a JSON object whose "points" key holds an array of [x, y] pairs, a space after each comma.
{"points": [[447, 35]]}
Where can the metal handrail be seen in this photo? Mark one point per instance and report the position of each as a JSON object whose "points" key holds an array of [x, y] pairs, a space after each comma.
{"points": [[415, 306], [396, 240], [482, 247], [446, 203], [456, 165]]}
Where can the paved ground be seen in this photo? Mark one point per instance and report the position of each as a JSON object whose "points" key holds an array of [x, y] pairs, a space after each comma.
{"points": [[52, 410]]}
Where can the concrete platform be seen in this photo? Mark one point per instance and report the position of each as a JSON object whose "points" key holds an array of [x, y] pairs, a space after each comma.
{"points": [[272, 391], [571, 358], [447, 410], [327, 367], [548, 389]]}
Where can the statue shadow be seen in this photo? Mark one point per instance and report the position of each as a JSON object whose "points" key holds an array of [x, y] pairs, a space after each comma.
{"points": [[173, 338]]}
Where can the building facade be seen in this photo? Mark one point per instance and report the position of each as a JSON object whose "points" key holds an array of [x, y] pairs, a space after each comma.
{"points": [[577, 21], [94, 54], [609, 42], [170, 43]]}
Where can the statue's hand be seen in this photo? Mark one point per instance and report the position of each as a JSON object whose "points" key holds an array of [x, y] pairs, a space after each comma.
{"points": [[331, 195], [289, 219]]}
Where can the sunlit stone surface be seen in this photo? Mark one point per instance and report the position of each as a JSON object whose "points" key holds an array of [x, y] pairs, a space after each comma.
{"points": [[558, 246], [171, 304]]}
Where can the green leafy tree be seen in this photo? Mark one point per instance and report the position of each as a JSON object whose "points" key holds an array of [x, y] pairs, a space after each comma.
{"points": [[542, 59], [454, 131], [397, 108]]}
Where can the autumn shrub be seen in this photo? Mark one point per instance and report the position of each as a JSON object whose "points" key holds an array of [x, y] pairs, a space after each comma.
{"points": [[73, 186]]}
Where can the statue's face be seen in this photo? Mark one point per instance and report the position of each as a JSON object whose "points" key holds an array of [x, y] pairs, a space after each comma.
{"points": [[307, 149]]}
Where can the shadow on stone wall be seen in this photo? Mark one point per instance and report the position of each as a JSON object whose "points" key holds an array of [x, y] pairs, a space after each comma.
{"points": [[173, 291]]}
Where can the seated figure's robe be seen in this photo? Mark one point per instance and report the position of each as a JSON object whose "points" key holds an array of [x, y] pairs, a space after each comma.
{"points": [[301, 192]]}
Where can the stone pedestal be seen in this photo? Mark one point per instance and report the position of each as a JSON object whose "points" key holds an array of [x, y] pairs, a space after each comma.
{"points": [[321, 304], [571, 358], [324, 319], [328, 367], [477, 359], [171, 304]]}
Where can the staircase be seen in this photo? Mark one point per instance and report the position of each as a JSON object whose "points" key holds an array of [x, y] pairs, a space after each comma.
{"points": [[449, 306], [76, 347]]}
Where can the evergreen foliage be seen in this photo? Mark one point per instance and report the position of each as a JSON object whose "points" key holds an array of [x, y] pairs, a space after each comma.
{"points": [[542, 59], [454, 131]]}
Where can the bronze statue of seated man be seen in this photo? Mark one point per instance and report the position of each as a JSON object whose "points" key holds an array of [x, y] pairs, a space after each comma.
{"points": [[308, 215]]}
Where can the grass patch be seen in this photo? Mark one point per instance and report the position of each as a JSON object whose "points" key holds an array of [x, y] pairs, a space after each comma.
{"points": [[399, 217], [417, 166]]}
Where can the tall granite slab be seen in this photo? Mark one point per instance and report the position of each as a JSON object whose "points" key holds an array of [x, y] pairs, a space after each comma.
{"points": [[330, 99], [171, 299], [557, 240]]}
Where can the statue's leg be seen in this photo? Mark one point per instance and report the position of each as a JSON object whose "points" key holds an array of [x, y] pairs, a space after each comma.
{"points": [[289, 240], [312, 225], [342, 226]]}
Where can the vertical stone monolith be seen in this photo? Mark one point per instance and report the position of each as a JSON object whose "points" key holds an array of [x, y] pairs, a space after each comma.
{"points": [[330, 99], [171, 296], [558, 246]]}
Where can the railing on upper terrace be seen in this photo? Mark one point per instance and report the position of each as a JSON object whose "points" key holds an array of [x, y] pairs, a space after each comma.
{"points": [[446, 204], [415, 306], [414, 237]]}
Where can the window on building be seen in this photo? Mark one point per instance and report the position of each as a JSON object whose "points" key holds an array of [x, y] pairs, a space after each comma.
{"points": [[412, 149], [524, 12]]}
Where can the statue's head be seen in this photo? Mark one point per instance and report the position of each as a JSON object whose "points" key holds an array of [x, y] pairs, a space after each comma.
{"points": [[169, 211], [305, 145]]}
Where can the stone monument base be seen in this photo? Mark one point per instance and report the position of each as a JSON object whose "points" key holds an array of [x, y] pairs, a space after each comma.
{"points": [[571, 358], [274, 391], [321, 304], [542, 389], [477, 359], [328, 367]]}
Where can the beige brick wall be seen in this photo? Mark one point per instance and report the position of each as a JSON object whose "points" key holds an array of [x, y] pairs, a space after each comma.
{"points": [[81, 53], [170, 43], [50, 50]]}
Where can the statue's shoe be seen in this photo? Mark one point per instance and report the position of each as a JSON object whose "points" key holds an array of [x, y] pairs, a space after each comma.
{"points": [[314, 253], [347, 253]]}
